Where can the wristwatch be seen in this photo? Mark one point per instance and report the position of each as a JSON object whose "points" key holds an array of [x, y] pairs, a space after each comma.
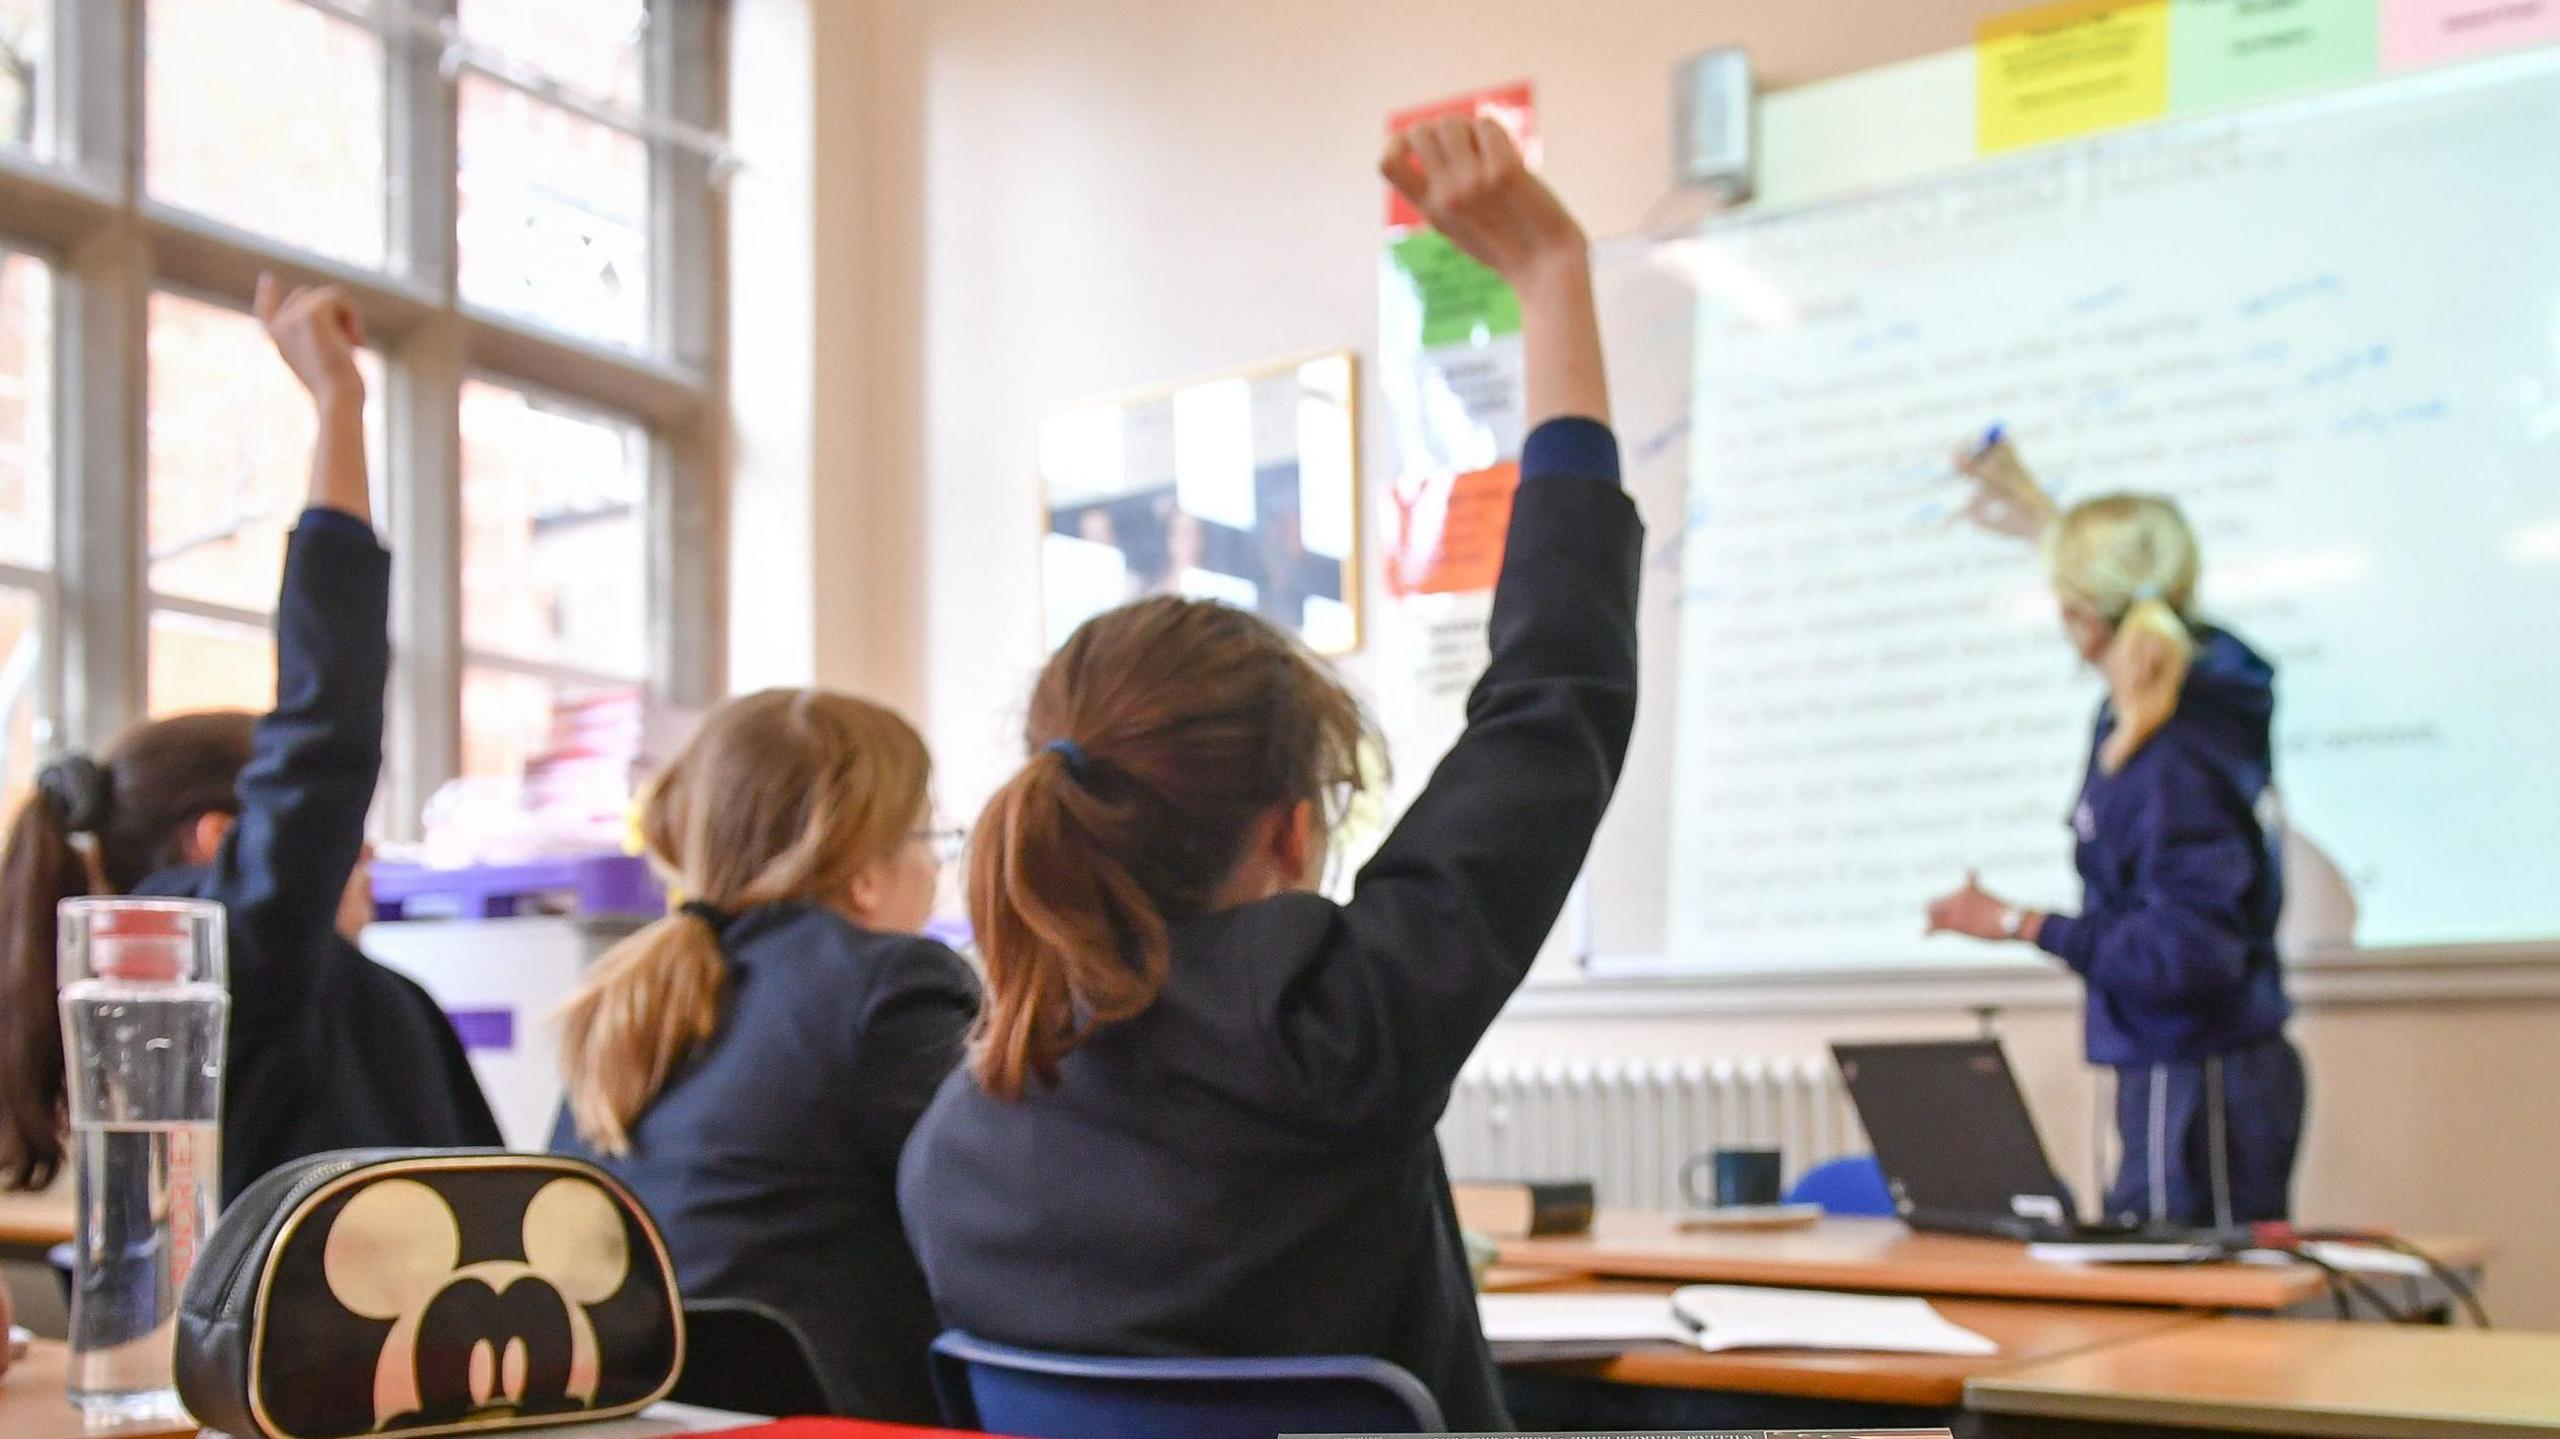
{"points": [[2013, 924]]}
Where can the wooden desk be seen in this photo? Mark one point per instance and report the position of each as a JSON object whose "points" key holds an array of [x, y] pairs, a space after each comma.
{"points": [[35, 1222], [2028, 1334], [32, 1406], [2272, 1376], [1881, 1255]]}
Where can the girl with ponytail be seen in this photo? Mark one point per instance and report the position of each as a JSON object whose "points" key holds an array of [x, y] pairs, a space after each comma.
{"points": [[1198, 1113], [266, 814], [2176, 934], [751, 1064]]}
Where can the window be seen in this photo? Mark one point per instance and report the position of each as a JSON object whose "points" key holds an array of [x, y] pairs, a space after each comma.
{"points": [[301, 161], [229, 447], [554, 215], [555, 568], [25, 37], [514, 195], [26, 516], [555, 205]]}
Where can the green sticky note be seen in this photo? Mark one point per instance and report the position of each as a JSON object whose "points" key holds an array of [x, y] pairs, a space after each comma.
{"points": [[2227, 52], [1460, 298]]}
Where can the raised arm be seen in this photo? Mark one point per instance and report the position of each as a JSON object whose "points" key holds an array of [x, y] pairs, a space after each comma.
{"points": [[316, 757], [1445, 919]]}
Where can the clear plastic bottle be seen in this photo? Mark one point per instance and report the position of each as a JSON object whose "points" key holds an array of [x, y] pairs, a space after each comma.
{"points": [[145, 1004]]}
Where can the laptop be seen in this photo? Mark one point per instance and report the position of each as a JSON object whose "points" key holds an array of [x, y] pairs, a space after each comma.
{"points": [[1959, 1151]]}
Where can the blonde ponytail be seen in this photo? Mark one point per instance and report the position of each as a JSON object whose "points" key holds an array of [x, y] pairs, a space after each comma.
{"points": [[2132, 561], [782, 795], [645, 1007], [2146, 669]]}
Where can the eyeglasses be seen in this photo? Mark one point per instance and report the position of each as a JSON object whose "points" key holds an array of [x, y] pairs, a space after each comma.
{"points": [[947, 843]]}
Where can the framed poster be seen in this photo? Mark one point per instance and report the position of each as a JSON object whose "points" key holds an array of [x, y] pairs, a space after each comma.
{"points": [[1242, 487]]}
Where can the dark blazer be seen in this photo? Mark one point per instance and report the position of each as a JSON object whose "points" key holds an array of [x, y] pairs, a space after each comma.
{"points": [[328, 1050], [770, 1160], [2176, 933], [1248, 1166]]}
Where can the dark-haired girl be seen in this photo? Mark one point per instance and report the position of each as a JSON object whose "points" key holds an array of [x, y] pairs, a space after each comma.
{"points": [[266, 814]]}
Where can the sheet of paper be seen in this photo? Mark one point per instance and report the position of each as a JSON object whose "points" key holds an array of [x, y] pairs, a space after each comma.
{"points": [[1624, 1320], [2119, 1253], [1733, 1317], [2070, 69]]}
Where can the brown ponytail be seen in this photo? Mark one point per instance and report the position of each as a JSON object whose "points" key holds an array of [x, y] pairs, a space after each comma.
{"points": [[1160, 734], [134, 812], [39, 871], [781, 795]]}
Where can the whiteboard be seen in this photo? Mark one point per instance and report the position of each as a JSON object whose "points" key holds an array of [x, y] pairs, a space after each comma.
{"points": [[2330, 328]]}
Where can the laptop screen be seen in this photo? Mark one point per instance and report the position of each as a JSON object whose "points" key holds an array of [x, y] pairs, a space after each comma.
{"points": [[1950, 1129]]}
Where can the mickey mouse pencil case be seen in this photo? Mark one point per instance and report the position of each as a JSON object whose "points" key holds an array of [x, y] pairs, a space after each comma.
{"points": [[428, 1292]]}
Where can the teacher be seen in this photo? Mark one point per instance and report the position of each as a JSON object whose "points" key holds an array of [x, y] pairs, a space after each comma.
{"points": [[2176, 935]]}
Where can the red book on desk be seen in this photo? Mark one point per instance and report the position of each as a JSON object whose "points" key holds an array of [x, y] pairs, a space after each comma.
{"points": [[838, 1430]]}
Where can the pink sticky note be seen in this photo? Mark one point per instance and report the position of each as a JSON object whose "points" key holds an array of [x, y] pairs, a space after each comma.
{"points": [[2417, 33]]}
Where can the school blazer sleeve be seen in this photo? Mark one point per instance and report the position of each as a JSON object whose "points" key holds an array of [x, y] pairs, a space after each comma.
{"points": [[907, 1040], [314, 760], [2184, 935], [1444, 920]]}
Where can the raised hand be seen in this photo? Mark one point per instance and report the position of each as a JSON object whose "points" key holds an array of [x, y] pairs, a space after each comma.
{"points": [[1468, 179], [317, 331]]}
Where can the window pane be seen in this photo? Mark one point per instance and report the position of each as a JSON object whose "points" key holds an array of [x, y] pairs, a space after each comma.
{"points": [[554, 215], [511, 721], [555, 558], [229, 453], [23, 47], [593, 46], [208, 664], [26, 411], [267, 114], [25, 729]]}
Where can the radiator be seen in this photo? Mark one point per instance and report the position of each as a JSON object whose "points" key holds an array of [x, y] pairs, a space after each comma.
{"points": [[1630, 1126]]}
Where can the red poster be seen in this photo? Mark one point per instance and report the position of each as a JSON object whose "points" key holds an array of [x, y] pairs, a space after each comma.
{"points": [[1450, 531], [1508, 105]]}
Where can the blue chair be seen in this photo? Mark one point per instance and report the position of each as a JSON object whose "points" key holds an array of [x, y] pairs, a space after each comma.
{"points": [[1853, 1186], [1034, 1395]]}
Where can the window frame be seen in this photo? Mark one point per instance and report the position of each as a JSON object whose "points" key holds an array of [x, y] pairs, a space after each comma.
{"points": [[82, 209]]}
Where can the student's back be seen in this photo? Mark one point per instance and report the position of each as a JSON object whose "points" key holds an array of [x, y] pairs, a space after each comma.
{"points": [[1200, 1118], [751, 1065]]}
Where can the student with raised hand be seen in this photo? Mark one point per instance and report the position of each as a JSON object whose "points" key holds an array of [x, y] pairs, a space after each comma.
{"points": [[751, 1064], [265, 814], [2176, 934], [1198, 1114]]}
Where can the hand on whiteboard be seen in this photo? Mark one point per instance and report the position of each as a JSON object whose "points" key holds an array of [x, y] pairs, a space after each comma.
{"points": [[1970, 910], [1468, 179], [2006, 499]]}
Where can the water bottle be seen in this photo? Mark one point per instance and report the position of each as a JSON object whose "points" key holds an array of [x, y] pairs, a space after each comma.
{"points": [[145, 1004]]}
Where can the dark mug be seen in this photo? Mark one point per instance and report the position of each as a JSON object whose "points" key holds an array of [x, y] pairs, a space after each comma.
{"points": [[1741, 1177]]}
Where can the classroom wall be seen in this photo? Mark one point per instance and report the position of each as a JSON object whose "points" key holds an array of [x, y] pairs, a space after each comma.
{"points": [[1016, 205]]}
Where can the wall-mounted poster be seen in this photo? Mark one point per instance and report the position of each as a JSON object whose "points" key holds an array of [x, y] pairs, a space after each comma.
{"points": [[1242, 487]]}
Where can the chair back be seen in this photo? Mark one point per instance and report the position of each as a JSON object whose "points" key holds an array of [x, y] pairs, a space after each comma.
{"points": [[1034, 1395]]}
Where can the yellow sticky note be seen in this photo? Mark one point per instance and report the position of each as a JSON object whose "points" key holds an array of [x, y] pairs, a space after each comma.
{"points": [[2063, 70]]}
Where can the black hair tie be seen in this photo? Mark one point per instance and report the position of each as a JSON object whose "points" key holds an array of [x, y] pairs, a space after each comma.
{"points": [[711, 915], [80, 791], [1079, 764]]}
